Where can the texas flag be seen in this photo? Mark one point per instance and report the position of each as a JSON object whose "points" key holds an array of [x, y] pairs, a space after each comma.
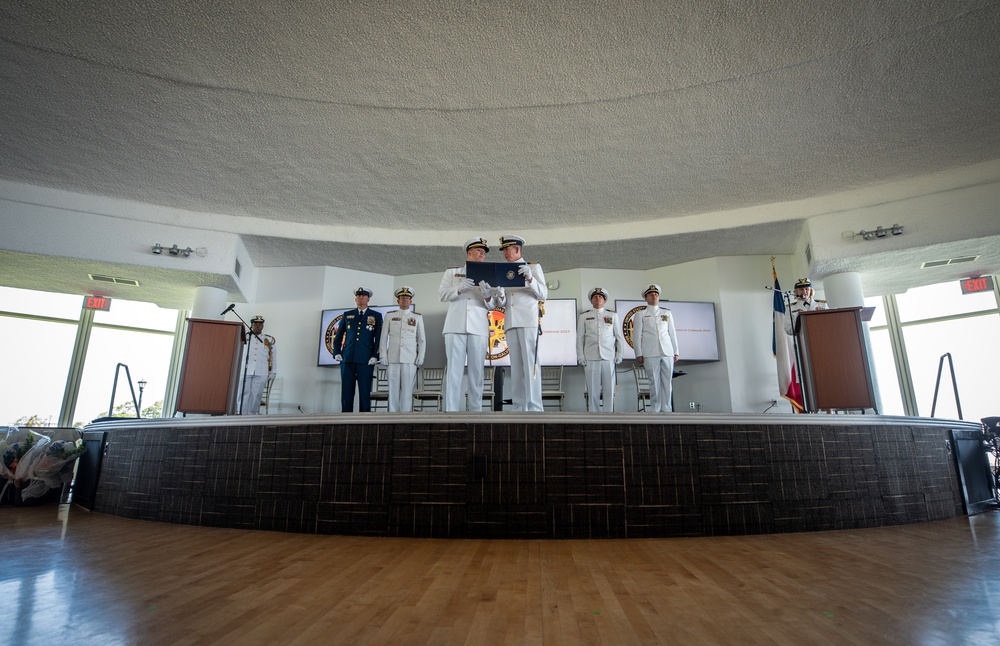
{"points": [[784, 352]]}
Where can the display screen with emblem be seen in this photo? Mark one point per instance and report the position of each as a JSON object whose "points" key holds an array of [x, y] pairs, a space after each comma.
{"points": [[556, 345], [329, 320], [694, 323]]}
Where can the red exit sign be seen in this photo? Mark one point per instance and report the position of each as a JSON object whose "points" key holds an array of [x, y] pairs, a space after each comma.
{"points": [[97, 303], [976, 285]]}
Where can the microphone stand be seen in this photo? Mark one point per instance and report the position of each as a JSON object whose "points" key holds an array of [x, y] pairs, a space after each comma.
{"points": [[246, 360]]}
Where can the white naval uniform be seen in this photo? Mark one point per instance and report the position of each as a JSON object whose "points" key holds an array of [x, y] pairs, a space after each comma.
{"points": [[792, 313], [599, 344], [521, 329], [466, 336], [261, 363], [402, 348], [656, 342]]}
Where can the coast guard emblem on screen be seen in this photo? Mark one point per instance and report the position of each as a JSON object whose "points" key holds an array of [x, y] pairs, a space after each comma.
{"points": [[497, 348], [331, 331], [627, 324]]}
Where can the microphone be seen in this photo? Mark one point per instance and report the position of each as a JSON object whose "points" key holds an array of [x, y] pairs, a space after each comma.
{"points": [[231, 307]]}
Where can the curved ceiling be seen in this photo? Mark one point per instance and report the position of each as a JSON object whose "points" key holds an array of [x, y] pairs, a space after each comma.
{"points": [[316, 128]]}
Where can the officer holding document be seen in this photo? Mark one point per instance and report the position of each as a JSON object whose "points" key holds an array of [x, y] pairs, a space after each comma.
{"points": [[522, 326], [466, 328], [599, 345], [402, 349]]}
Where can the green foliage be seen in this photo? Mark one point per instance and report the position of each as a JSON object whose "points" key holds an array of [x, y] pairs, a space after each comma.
{"points": [[128, 410], [32, 420]]}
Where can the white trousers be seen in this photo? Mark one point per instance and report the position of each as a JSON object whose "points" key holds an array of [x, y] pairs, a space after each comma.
{"points": [[600, 376], [462, 349], [525, 376], [401, 378], [253, 389], [660, 371]]}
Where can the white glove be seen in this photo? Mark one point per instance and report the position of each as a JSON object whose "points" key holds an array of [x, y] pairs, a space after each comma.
{"points": [[418, 363], [372, 361], [525, 271], [384, 361], [485, 289], [582, 362], [338, 357], [466, 285], [618, 360]]}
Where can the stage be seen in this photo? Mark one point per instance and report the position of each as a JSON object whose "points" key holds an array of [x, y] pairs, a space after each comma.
{"points": [[526, 475]]}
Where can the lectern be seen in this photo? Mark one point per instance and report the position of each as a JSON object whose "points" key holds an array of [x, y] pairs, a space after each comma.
{"points": [[833, 355], [210, 372]]}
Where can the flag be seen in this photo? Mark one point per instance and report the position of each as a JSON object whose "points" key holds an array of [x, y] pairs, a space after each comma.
{"points": [[784, 352]]}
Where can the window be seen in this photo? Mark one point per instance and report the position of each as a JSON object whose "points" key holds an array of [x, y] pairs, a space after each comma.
{"points": [[44, 328], [932, 321]]}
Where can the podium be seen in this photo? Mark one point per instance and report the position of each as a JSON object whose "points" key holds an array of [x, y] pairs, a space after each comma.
{"points": [[210, 372], [833, 356]]}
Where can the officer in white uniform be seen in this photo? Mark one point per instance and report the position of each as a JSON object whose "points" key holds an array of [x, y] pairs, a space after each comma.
{"points": [[599, 345], [656, 348], [466, 328], [521, 326], [402, 349], [805, 301], [261, 365]]}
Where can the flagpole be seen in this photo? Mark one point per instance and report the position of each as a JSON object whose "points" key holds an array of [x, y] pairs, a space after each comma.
{"points": [[786, 297]]}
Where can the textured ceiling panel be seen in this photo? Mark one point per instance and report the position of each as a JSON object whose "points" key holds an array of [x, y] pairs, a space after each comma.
{"points": [[453, 117]]}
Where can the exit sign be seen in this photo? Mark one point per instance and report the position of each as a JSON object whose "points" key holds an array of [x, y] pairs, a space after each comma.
{"points": [[976, 285], [97, 303]]}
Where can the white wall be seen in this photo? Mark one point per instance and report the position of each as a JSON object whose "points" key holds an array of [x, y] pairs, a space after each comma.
{"points": [[744, 380]]}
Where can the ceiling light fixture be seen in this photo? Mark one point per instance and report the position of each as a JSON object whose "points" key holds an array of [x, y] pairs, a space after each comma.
{"points": [[878, 232], [175, 250]]}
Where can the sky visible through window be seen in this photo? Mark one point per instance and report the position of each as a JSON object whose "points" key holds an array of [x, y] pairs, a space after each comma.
{"points": [[42, 350]]}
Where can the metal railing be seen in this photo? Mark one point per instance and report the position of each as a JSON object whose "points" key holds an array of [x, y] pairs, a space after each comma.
{"points": [[954, 384], [114, 389]]}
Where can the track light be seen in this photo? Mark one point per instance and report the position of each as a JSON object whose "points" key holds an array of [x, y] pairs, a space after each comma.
{"points": [[176, 250], [879, 232]]}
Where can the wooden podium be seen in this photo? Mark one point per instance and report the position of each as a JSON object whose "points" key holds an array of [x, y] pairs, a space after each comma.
{"points": [[210, 372], [836, 374]]}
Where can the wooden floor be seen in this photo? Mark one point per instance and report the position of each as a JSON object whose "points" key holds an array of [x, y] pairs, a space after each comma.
{"points": [[73, 577]]}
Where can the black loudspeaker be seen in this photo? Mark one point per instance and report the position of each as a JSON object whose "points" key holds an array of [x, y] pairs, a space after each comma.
{"points": [[974, 475], [88, 471]]}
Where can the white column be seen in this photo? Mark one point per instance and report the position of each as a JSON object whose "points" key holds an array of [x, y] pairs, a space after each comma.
{"points": [[844, 290], [209, 302]]}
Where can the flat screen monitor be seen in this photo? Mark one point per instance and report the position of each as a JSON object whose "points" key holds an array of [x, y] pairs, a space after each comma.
{"points": [[329, 320], [556, 345], [694, 323]]}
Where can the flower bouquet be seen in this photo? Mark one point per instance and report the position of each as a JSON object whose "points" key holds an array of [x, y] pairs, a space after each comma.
{"points": [[53, 468], [19, 449]]}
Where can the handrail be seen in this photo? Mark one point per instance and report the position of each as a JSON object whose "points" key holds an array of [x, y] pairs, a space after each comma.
{"points": [[954, 384], [114, 389]]}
